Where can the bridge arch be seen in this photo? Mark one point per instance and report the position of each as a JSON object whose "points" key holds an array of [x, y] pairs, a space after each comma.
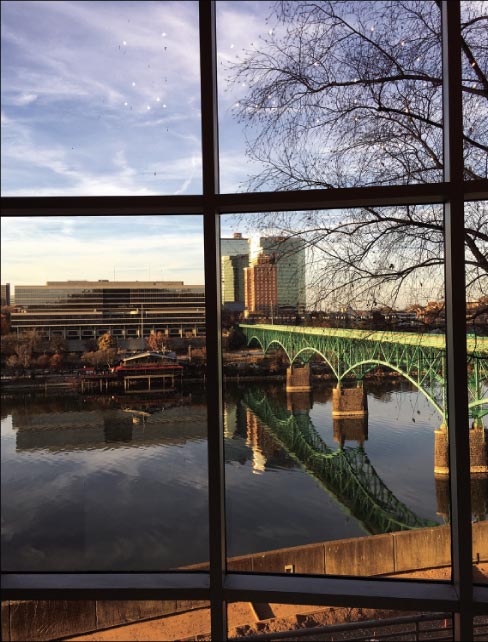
{"points": [[403, 374], [419, 359]]}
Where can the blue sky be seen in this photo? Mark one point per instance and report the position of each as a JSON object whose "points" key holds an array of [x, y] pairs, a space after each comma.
{"points": [[103, 98]]}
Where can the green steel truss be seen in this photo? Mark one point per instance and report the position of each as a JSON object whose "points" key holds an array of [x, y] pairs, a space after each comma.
{"points": [[347, 473], [420, 358]]}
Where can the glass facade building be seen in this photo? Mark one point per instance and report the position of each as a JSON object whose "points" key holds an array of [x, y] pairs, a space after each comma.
{"points": [[126, 309]]}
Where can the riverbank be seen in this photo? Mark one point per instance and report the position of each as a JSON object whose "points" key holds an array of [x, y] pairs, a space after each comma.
{"points": [[73, 382]]}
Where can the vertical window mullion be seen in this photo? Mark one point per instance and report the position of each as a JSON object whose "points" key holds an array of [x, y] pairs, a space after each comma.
{"points": [[211, 230], [457, 395]]}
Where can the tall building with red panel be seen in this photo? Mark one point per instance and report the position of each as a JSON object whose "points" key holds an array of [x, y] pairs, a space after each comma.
{"points": [[261, 286]]}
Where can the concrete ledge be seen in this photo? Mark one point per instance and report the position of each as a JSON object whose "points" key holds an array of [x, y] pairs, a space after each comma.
{"points": [[361, 556], [384, 554], [423, 548]]}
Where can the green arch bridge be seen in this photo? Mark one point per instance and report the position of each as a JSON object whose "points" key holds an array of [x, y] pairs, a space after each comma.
{"points": [[346, 472], [420, 358]]}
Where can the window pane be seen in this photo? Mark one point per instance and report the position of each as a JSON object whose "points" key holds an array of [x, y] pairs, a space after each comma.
{"points": [[100, 98], [474, 22], [334, 623], [330, 94], [476, 221], [106, 620], [104, 424], [336, 463]]}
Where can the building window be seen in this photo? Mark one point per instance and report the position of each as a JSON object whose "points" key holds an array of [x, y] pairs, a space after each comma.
{"points": [[447, 186]]}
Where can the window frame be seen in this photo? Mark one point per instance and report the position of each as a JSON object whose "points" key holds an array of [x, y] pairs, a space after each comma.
{"points": [[460, 596]]}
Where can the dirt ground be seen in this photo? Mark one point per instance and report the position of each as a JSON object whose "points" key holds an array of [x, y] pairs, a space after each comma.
{"points": [[247, 619]]}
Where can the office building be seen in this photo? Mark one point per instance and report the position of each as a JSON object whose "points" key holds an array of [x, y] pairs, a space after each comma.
{"points": [[126, 309], [260, 282], [6, 300], [289, 253], [234, 245], [233, 267]]}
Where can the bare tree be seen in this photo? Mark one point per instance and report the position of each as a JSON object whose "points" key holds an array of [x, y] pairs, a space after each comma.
{"points": [[343, 94]]}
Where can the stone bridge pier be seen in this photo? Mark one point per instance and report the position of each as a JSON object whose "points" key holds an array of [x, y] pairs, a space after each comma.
{"points": [[349, 402], [478, 450], [298, 379]]}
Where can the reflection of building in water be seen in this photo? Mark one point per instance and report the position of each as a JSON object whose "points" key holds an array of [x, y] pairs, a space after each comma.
{"points": [[264, 446], [350, 429], [116, 428], [479, 497], [84, 430], [230, 420], [252, 441]]}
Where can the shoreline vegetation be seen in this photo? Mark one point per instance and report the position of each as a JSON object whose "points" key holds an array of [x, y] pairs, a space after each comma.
{"points": [[73, 382]]}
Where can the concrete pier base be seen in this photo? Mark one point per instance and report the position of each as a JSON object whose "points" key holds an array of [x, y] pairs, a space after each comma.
{"points": [[349, 402], [298, 379], [478, 448]]}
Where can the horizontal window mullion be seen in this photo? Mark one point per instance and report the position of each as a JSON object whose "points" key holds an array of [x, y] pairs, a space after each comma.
{"points": [[328, 591], [105, 586], [243, 202], [101, 205], [347, 197], [285, 589]]}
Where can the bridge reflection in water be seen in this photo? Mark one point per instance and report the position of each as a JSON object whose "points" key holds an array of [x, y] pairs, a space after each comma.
{"points": [[345, 472]]}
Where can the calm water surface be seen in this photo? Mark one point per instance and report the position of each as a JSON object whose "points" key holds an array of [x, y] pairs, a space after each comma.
{"points": [[120, 483]]}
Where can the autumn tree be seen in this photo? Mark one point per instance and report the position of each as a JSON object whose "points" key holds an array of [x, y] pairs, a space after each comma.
{"points": [[106, 341], [155, 341], [348, 94]]}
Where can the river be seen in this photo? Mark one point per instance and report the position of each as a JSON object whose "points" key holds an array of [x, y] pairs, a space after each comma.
{"points": [[119, 483]]}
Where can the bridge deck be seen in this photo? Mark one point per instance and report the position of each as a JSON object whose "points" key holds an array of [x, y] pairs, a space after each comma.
{"points": [[475, 345]]}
